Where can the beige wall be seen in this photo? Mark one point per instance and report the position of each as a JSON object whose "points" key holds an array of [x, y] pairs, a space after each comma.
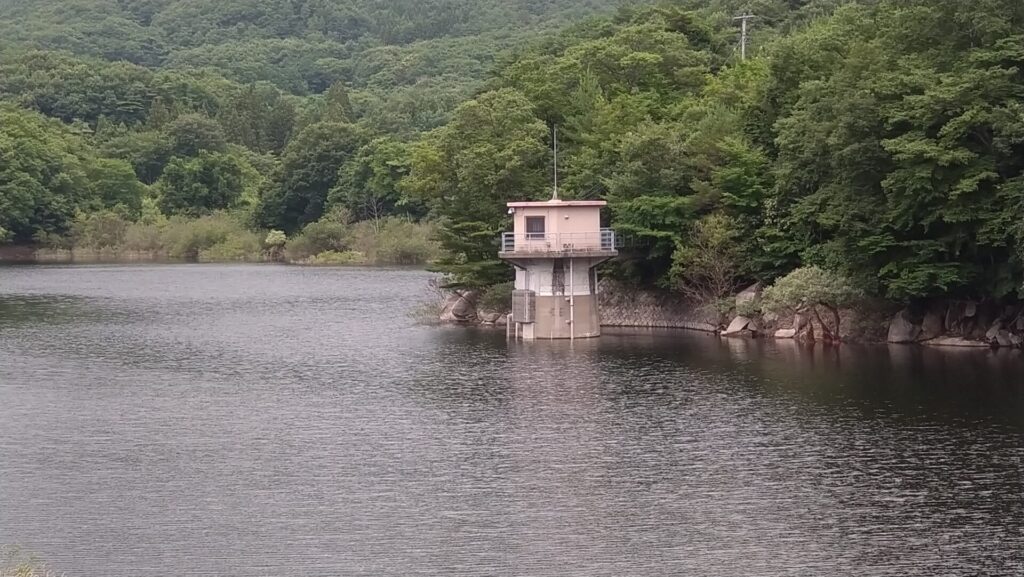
{"points": [[554, 313], [579, 224], [537, 275]]}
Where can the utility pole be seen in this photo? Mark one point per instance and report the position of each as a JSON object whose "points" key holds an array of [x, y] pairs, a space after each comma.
{"points": [[743, 33]]}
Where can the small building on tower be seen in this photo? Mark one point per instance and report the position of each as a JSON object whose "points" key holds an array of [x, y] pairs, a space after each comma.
{"points": [[555, 247]]}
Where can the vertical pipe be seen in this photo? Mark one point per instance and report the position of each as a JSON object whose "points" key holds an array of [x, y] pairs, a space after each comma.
{"points": [[572, 301]]}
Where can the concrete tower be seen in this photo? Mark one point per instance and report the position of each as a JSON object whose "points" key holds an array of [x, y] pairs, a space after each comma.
{"points": [[555, 246]]}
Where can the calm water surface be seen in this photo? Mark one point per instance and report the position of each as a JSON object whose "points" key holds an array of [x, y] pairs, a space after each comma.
{"points": [[264, 420]]}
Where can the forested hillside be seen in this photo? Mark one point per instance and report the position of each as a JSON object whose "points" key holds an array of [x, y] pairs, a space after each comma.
{"points": [[881, 141], [247, 113]]}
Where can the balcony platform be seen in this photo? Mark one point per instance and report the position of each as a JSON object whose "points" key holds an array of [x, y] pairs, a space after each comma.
{"points": [[560, 253], [519, 246]]}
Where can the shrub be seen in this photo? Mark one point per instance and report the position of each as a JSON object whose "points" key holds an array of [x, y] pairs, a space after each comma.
{"points": [[240, 246], [317, 237], [99, 230], [274, 244], [748, 308], [51, 240], [806, 289], [190, 239], [497, 298], [144, 237], [275, 239], [395, 240], [333, 257], [706, 265], [403, 242]]}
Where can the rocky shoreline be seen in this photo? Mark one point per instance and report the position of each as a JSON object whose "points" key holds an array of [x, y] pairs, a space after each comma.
{"points": [[938, 323]]}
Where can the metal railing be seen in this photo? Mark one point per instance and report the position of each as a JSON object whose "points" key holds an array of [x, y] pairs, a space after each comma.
{"points": [[538, 242]]}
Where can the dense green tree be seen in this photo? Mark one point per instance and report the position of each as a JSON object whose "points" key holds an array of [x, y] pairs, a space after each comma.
{"points": [[72, 89], [201, 185], [115, 186], [493, 151], [259, 118], [309, 170], [42, 180], [368, 185], [900, 166], [191, 134], [147, 152]]}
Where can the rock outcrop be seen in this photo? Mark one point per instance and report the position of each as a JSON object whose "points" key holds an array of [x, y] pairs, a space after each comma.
{"points": [[960, 324], [931, 326], [902, 328]]}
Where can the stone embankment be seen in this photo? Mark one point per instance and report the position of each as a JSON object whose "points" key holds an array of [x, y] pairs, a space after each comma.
{"points": [[620, 306], [624, 306], [940, 323]]}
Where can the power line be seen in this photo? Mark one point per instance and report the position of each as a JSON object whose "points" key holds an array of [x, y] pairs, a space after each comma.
{"points": [[743, 33]]}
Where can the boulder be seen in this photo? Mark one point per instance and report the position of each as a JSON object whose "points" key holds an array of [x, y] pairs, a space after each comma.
{"points": [[748, 294], [785, 334], [1005, 339], [501, 321], [993, 331], [489, 318], [902, 330], [956, 342], [460, 308], [931, 326], [1019, 323], [737, 326]]}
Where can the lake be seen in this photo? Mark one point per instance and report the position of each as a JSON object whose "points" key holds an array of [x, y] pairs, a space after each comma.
{"points": [[256, 420]]}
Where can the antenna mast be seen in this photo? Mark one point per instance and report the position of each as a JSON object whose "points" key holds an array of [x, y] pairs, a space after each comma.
{"points": [[554, 196]]}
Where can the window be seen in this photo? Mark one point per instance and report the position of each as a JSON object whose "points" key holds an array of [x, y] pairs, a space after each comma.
{"points": [[535, 228]]}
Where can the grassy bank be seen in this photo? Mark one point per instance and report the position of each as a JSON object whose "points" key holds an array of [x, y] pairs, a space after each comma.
{"points": [[106, 237]]}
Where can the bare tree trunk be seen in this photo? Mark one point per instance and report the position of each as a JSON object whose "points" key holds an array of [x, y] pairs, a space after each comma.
{"points": [[824, 327], [835, 319]]}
